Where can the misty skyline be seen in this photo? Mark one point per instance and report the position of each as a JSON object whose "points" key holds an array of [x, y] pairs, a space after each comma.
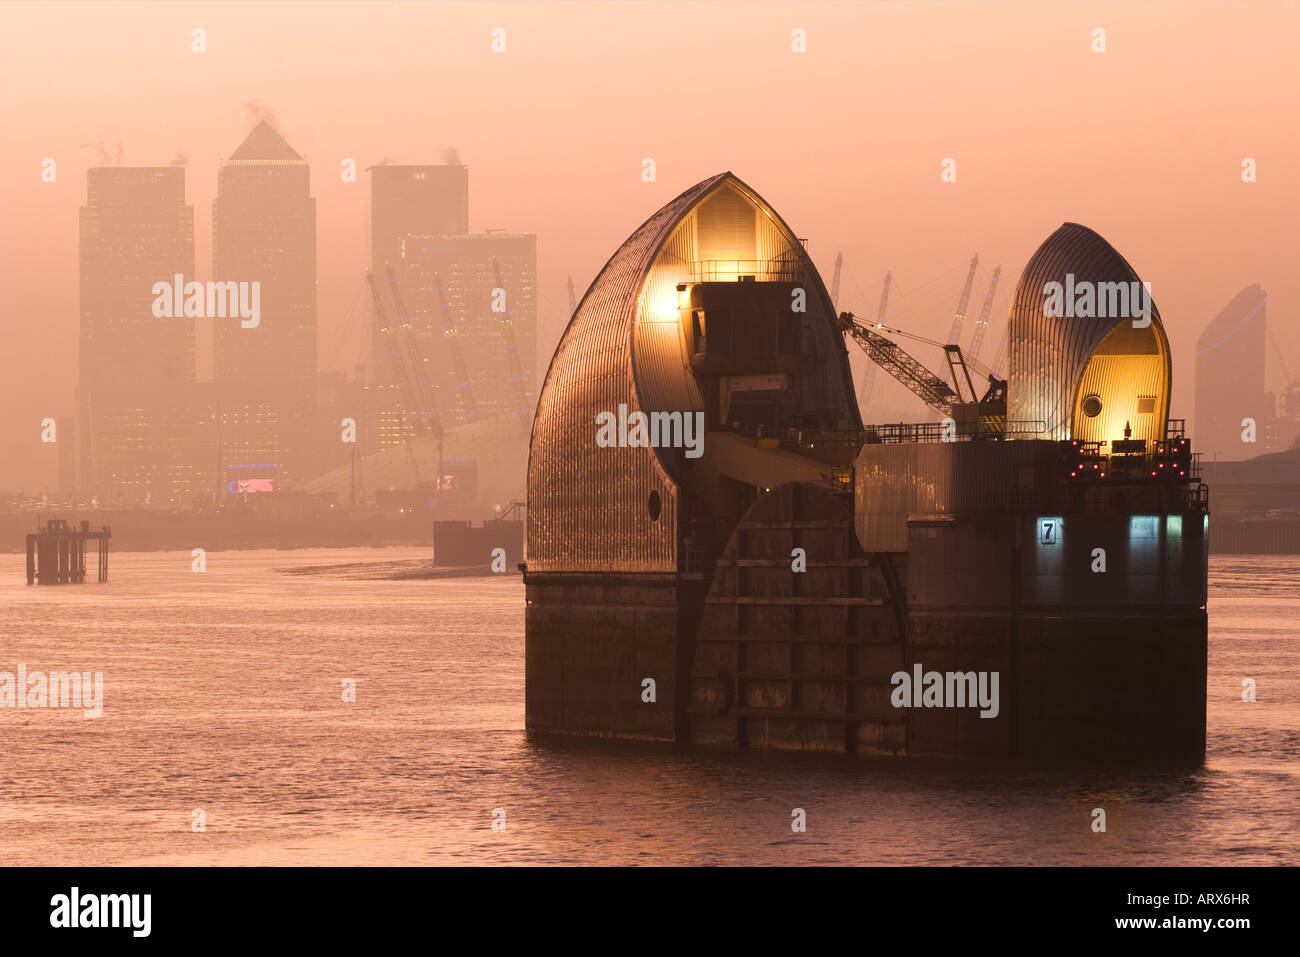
{"points": [[847, 139]]}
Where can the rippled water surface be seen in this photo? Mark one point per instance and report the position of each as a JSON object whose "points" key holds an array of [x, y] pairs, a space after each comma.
{"points": [[223, 693]]}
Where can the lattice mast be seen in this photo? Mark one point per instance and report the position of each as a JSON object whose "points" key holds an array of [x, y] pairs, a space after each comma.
{"points": [[512, 352], [960, 315]]}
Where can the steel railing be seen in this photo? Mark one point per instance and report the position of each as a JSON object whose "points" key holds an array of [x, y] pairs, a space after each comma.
{"points": [[759, 270]]}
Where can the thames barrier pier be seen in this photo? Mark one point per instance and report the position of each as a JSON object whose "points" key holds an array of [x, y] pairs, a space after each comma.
{"points": [[56, 554], [777, 585]]}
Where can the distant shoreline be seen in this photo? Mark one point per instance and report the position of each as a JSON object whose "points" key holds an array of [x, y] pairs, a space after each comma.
{"points": [[155, 531], [149, 531], [409, 569]]}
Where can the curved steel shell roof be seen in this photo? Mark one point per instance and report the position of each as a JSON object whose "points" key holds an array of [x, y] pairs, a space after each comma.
{"points": [[1049, 353], [587, 506]]}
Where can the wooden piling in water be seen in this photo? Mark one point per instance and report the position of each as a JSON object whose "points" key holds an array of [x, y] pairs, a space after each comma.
{"points": [[56, 554]]}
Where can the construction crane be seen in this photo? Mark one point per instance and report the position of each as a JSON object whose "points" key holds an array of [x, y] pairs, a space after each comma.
{"points": [[869, 373], [835, 280], [512, 351], [386, 335], [973, 413], [960, 315], [932, 390], [950, 349], [1288, 400], [404, 384], [1000, 358], [982, 323], [463, 388], [426, 411]]}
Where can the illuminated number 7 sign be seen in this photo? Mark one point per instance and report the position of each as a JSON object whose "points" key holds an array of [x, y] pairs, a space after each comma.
{"points": [[1047, 532]]}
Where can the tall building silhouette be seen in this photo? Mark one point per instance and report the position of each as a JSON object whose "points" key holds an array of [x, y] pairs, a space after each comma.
{"points": [[477, 347], [135, 386], [1230, 379], [425, 200], [264, 231], [488, 303]]}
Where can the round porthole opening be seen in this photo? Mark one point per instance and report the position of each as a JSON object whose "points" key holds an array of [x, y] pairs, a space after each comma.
{"points": [[1092, 406], [654, 506]]}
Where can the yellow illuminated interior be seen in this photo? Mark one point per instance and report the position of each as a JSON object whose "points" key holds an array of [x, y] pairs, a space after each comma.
{"points": [[1125, 381]]}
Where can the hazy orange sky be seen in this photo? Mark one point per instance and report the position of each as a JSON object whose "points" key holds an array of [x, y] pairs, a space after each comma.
{"points": [[1143, 143]]}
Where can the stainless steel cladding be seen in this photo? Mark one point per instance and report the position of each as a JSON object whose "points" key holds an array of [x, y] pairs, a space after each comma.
{"points": [[1102, 331], [617, 509]]}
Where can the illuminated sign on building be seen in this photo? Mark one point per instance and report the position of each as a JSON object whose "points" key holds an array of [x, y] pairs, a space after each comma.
{"points": [[1047, 531], [244, 486]]}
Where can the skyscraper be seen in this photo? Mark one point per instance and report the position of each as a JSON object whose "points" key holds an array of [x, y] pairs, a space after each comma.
{"points": [[430, 200], [136, 372], [264, 231], [424, 200], [1230, 379], [481, 292]]}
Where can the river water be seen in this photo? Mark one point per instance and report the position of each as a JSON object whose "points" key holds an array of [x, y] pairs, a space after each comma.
{"points": [[223, 694]]}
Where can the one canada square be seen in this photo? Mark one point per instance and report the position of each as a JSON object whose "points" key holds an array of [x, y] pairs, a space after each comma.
{"points": [[264, 231]]}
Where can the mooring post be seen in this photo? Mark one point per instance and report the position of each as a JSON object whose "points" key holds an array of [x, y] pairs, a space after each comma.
{"points": [[56, 554]]}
